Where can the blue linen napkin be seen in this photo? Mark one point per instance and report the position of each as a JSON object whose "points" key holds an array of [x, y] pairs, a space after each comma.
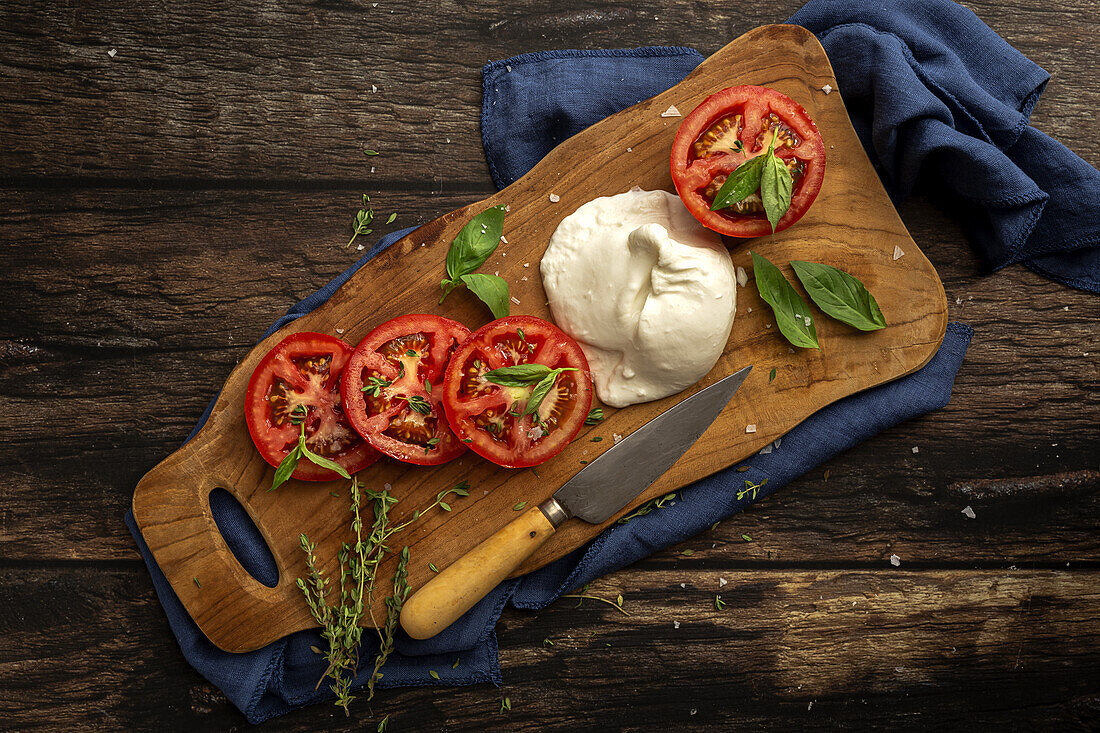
{"points": [[523, 117]]}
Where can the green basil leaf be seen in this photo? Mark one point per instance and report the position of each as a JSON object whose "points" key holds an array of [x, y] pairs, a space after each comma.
{"points": [[285, 469], [538, 394], [323, 462], [741, 184], [776, 185], [492, 289], [473, 245], [519, 375], [791, 311], [840, 295]]}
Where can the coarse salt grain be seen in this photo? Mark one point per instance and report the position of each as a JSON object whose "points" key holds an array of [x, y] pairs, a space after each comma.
{"points": [[750, 428], [958, 301], [508, 68], [807, 320], [387, 486], [503, 239], [523, 279], [112, 53], [514, 300], [671, 112], [675, 624], [827, 89], [683, 585], [339, 330], [360, 248], [535, 433], [616, 438], [898, 254], [721, 582], [373, 89], [969, 512], [630, 150], [766, 449], [526, 264], [742, 276], [554, 198], [895, 561], [916, 449]]}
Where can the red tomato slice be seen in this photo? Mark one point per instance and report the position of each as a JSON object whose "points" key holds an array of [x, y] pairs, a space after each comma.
{"points": [[304, 369], [393, 386], [489, 417], [727, 129]]}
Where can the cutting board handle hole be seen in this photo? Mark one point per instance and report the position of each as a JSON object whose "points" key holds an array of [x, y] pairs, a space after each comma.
{"points": [[243, 537]]}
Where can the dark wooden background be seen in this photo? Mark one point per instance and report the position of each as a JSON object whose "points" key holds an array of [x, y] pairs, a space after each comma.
{"points": [[162, 206]]}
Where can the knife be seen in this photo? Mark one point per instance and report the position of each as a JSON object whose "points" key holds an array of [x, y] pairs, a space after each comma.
{"points": [[594, 495]]}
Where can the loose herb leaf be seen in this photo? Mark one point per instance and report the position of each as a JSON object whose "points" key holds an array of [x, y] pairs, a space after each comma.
{"points": [[746, 538], [840, 295], [519, 507], [742, 183], [776, 185], [596, 438], [434, 674], [771, 375], [791, 311], [473, 245], [375, 385], [492, 290], [382, 724], [519, 375], [595, 416], [505, 704], [368, 151], [286, 468], [418, 404], [197, 583], [547, 642], [322, 461], [432, 567], [392, 217], [719, 604]]}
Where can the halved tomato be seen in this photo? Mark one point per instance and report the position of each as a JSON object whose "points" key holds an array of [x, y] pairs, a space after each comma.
{"points": [[491, 418], [730, 127], [303, 370], [393, 384]]}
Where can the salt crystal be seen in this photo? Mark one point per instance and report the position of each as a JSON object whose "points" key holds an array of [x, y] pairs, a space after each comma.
{"points": [[360, 248], [693, 710], [916, 449], [778, 441], [373, 89], [535, 433], [810, 706], [526, 264], [742, 276], [721, 582], [372, 169], [497, 273], [508, 68], [750, 310], [554, 198], [895, 561], [503, 239], [616, 438], [515, 300], [675, 624], [671, 112], [827, 89], [958, 301], [387, 487], [750, 428], [683, 585], [1065, 307], [767, 325], [507, 207], [766, 449], [523, 279], [112, 53], [969, 512], [448, 139], [807, 320], [339, 330], [630, 150], [898, 254]]}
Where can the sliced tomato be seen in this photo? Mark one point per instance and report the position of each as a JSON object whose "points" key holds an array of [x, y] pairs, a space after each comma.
{"points": [[727, 129], [490, 417], [393, 386], [304, 370]]}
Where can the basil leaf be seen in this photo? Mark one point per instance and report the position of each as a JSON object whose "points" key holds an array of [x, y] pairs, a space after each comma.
{"points": [[286, 468], [538, 394], [322, 461], [492, 289], [473, 245], [791, 311], [741, 184], [776, 185], [519, 375], [840, 295]]}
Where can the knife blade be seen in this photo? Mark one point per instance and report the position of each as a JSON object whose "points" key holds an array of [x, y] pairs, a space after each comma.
{"points": [[594, 495]]}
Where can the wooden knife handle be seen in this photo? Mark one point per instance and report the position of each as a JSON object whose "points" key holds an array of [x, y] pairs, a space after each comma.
{"points": [[467, 580]]}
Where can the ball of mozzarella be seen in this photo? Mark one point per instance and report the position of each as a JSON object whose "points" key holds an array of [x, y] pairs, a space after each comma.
{"points": [[648, 292]]}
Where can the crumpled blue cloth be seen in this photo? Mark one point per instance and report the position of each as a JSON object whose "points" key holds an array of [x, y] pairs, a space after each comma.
{"points": [[523, 117]]}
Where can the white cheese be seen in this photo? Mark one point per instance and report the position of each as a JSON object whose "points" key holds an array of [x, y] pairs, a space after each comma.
{"points": [[646, 290]]}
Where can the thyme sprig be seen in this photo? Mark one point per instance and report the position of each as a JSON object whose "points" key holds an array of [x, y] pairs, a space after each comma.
{"points": [[340, 617]]}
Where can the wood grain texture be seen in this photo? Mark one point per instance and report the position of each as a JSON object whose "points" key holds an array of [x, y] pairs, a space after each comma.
{"points": [[99, 211], [852, 223]]}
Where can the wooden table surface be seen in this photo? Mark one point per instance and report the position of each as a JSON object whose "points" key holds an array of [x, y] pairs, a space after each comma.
{"points": [[162, 206]]}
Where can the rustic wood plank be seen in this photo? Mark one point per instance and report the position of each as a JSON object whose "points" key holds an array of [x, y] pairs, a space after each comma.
{"points": [[89, 649], [250, 91]]}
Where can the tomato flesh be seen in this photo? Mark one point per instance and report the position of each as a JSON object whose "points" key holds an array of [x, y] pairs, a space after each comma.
{"points": [[303, 371], [393, 386], [731, 127], [489, 417]]}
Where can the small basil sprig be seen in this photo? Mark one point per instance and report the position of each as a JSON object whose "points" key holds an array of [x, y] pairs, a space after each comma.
{"points": [[792, 314], [469, 250], [766, 173], [522, 375], [840, 295], [288, 464]]}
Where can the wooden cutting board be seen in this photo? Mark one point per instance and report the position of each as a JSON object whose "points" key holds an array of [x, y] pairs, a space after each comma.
{"points": [[852, 225]]}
